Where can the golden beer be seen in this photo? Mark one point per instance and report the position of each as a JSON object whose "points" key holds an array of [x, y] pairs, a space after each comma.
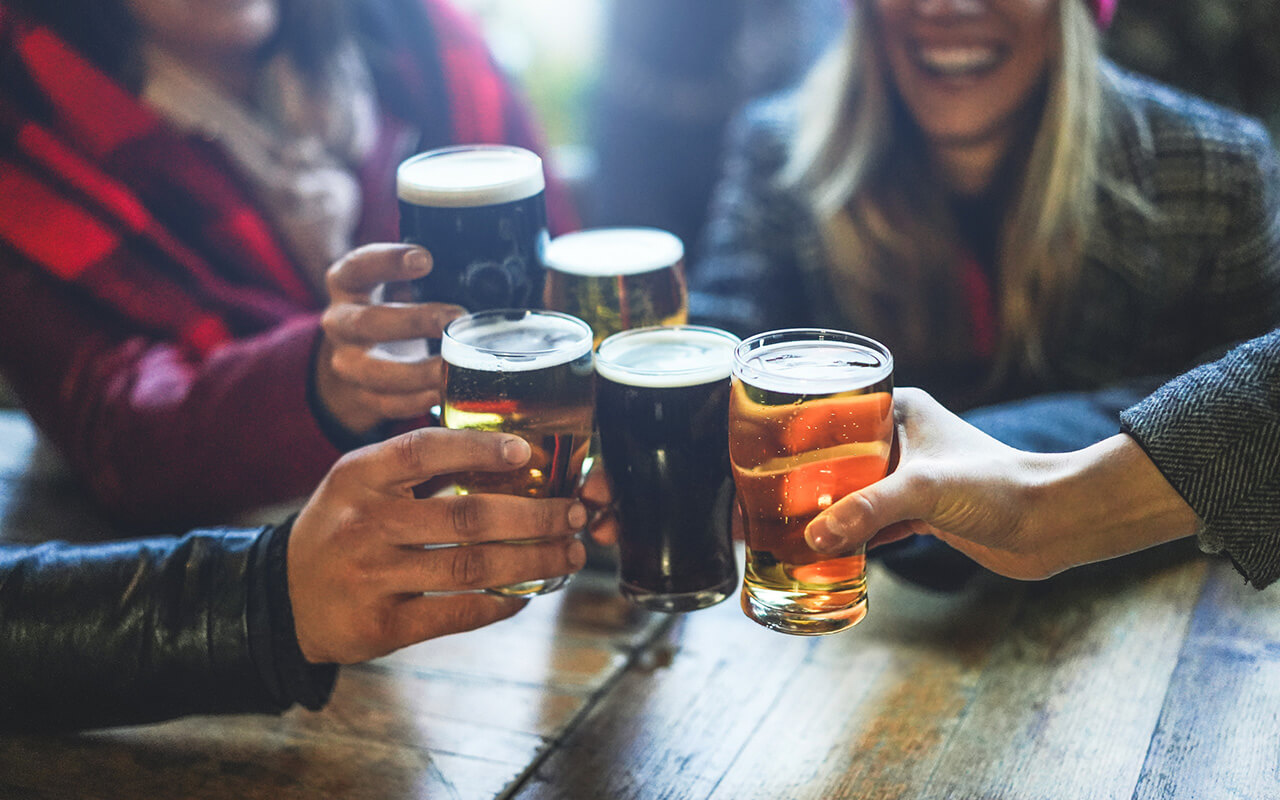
{"points": [[528, 373], [810, 420], [617, 278]]}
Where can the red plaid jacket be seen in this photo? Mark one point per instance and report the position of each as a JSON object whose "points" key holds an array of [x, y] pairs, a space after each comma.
{"points": [[151, 320]]}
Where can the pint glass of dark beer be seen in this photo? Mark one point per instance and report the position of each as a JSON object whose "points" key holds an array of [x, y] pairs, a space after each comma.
{"points": [[617, 278], [528, 373], [480, 211], [662, 403], [810, 420]]}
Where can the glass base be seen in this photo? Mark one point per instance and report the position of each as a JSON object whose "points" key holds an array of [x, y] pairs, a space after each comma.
{"points": [[804, 613], [531, 588], [678, 603]]}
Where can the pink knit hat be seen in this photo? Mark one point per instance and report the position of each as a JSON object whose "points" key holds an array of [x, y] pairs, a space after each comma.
{"points": [[1103, 11]]}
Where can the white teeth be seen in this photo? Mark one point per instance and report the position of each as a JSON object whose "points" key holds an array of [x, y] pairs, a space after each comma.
{"points": [[958, 60]]}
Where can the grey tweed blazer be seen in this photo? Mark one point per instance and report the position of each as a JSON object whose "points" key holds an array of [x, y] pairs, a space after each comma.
{"points": [[1157, 295], [1215, 435]]}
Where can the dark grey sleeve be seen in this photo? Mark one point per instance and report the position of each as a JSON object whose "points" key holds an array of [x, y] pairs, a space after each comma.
{"points": [[1214, 433], [745, 278]]}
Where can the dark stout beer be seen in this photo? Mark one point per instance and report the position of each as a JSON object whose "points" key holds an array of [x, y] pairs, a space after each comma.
{"points": [[480, 211], [527, 373], [662, 401], [811, 420], [617, 278]]}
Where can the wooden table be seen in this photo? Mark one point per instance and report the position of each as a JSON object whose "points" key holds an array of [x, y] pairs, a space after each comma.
{"points": [[1156, 676]]}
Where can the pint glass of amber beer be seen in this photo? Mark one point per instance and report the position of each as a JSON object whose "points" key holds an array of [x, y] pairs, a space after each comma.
{"points": [[528, 373], [662, 406], [617, 278], [810, 420]]}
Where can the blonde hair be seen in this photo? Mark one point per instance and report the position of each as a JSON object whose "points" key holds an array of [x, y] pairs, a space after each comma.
{"points": [[888, 232]]}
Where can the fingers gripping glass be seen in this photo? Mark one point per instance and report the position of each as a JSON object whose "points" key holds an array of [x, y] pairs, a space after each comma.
{"points": [[810, 420], [528, 373]]}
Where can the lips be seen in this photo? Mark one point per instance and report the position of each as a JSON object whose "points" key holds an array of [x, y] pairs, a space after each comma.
{"points": [[957, 61]]}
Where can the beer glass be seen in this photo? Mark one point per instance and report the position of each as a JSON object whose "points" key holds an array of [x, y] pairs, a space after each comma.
{"points": [[810, 420], [617, 278], [528, 373], [662, 406], [480, 211]]}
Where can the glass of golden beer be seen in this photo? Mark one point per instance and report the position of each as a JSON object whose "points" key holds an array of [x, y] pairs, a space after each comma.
{"points": [[617, 278], [528, 373], [810, 420]]}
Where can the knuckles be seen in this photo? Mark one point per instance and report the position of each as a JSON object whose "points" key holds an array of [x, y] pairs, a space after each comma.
{"points": [[469, 567]]}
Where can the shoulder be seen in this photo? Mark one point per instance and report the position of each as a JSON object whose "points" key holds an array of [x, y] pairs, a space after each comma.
{"points": [[1173, 126], [761, 130]]}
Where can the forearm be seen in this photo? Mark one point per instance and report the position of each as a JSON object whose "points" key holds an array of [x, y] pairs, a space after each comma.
{"points": [[128, 632], [1214, 434], [165, 441], [1104, 501]]}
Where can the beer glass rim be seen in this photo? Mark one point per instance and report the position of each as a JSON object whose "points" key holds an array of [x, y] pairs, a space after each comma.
{"points": [[571, 253], [692, 376], [764, 378], [532, 358], [509, 188]]}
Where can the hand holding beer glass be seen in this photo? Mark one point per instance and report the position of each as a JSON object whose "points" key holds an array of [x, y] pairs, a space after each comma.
{"points": [[810, 420], [528, 373]]}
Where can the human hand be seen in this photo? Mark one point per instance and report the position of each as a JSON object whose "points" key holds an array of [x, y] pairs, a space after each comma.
{"points": [[364, 550], [357, 387], [1023, 515], [597, 495]]}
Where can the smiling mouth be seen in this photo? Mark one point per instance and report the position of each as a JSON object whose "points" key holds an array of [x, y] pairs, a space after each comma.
{"points": [[957, 61]]}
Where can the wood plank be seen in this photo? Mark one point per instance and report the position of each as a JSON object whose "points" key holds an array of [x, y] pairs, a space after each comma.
{"points": [[869, 712], [1219, 731], [1069, 701], [720, 696]]}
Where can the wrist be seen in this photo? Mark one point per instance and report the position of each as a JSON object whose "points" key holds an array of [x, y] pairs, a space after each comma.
{"points": [[1108, 500]]}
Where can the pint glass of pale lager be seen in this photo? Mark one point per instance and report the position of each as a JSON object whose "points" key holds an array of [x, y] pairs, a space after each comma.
{"points": [[810, 420], [528, 373], [617, 278], [662, 405]]}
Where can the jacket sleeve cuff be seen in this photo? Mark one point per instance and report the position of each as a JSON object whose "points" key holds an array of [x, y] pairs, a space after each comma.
{"points": [[273, 641]]}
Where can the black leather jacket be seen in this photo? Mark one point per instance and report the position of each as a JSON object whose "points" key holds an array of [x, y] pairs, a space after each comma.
{"points": [[140, 631]]}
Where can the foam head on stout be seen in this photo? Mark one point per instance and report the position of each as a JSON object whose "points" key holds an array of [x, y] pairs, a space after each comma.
{"points": [[662, 397]]}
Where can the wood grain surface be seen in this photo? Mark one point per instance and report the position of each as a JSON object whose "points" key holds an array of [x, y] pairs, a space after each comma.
{"points": [[1154, 677]]}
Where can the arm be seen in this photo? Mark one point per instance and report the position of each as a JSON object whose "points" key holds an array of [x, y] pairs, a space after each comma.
{"points": [[141, 631], [236, 621], [1214, 434], [1024, 515], [162, 438]]}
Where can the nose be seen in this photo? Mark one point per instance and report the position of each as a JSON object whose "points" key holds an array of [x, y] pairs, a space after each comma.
{"points": [[950, 8]]}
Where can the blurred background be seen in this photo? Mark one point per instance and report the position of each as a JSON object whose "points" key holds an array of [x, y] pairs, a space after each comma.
{"points": [[634, 94]]}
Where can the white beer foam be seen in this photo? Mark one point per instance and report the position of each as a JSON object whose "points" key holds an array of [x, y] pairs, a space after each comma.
{"points": [[536, 341], [813, 366], [667, 357], [613, 251], [469, 176]]}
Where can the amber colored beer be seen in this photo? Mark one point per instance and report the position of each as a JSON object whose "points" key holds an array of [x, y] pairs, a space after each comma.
{"points": [[528, 373], [810, 420], [617, 278]]}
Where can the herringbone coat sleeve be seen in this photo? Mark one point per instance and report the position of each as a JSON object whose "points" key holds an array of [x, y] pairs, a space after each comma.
{"points": [[1214, 433]]}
